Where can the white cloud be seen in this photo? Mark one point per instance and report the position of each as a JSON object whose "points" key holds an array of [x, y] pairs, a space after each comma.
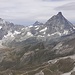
{"points": [[69, 6], [69, 10], [28, 11]]}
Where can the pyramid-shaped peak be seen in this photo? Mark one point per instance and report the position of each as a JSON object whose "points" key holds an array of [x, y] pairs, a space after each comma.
{"points": [[54, 18], [59, 13], [58, 20]]}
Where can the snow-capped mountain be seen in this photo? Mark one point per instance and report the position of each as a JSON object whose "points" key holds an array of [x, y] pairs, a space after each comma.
{"points": [[55, 27], [58, 24], [37, 23], [39, 49]]}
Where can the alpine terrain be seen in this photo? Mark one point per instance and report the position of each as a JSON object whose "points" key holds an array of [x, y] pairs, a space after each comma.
{"points": [[39, 49]]}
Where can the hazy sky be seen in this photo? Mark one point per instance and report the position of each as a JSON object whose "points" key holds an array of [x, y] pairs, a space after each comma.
{"points": [[28, 11]]}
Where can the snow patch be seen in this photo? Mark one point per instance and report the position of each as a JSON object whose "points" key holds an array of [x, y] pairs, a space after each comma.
{"points": [[22, 28], [73, 27], [60, 34], [26, 28], [16, 32], [30, 26], [8, 38], [9, 35], [37, 28], [48, 35], [65, 32], [53, 61], [0, 27], [44, 33], [43, 29], [40, 36], [29, 34]]}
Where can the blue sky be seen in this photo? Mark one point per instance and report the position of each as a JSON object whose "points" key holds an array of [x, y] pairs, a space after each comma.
{"points": [[26, 12]]}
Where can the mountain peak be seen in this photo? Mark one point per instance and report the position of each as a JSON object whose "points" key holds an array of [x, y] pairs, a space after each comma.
{"points": [[37, 23], [58, 23], [59, 13], [55, 18]]}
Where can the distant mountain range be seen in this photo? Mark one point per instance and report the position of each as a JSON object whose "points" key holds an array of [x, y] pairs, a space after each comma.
{"points": [[55, 27], [39, 49]]}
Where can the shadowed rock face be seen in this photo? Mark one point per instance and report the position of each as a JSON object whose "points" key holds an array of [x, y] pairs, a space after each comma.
{"points": [[58, 23]]}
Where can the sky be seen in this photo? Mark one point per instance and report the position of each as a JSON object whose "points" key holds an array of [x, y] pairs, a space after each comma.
{"points": [[26, 12]]}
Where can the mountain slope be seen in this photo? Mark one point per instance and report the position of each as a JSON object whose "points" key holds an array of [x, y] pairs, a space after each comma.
{"points": [[45, 49]]}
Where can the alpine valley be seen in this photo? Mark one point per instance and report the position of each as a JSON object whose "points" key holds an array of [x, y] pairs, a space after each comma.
{"points": [[39, 49]]}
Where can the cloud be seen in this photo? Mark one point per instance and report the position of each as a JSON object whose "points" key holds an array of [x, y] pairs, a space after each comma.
{"points": [[53, 0], [69, 6], [69, 10], [28, 11]]}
